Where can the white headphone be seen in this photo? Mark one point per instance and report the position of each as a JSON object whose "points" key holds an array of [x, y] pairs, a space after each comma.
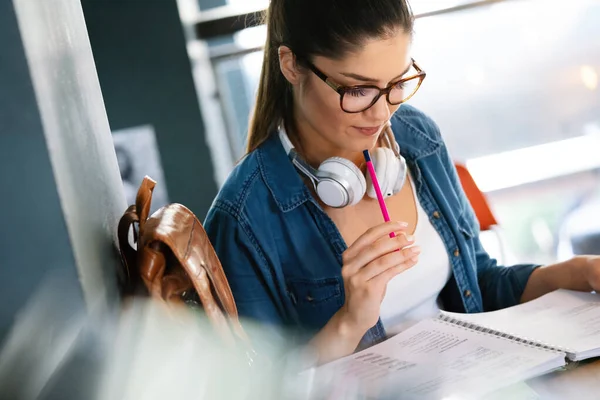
{"points": [[339, 182]]}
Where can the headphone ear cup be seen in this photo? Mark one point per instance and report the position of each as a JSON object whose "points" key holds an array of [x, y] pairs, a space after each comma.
{"points": [[402, 172], [387, 168], [341, 183]]}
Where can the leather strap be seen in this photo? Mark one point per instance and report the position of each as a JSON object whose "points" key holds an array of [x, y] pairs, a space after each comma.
{"points": [[143, 200], [128, 253]]}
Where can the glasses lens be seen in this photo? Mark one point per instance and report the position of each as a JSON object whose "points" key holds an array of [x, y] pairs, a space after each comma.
{"points": [[359, 98], [403, 90]]}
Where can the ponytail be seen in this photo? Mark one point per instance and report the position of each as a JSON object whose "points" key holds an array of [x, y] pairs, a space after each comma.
{"points": [[273, 100]]}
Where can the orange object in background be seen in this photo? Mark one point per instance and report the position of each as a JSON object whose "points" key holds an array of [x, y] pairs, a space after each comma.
{"points": [[476, 197]]}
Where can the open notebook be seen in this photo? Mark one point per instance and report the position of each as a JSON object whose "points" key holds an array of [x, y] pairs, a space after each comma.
{"points": [[470, 355]]}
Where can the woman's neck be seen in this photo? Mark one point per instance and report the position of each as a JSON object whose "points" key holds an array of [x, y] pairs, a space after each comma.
{"points": [[314, 148]]}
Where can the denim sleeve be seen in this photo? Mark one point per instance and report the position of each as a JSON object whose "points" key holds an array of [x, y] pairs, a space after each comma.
{"points": [[244, 264], [500, 286]]}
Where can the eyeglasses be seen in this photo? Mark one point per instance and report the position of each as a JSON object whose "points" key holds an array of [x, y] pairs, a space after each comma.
{"points": [[355, 99]]}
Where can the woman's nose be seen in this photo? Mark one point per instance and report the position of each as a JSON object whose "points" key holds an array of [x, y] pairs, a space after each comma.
{"points": [[380, 111]]}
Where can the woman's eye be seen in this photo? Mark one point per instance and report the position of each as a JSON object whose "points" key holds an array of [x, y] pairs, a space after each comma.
{"points": [[357, 92], [399, 85]]}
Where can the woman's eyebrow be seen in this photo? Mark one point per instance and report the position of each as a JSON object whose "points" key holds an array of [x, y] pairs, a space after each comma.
{"points": [[366, 79]]}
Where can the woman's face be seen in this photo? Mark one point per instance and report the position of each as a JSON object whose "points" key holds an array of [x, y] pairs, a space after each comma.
{"points": [[322, 122]]}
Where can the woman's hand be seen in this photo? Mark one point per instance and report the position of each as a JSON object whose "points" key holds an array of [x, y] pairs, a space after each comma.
{"points": [[591, 272], [580, 273], [368, 265]]}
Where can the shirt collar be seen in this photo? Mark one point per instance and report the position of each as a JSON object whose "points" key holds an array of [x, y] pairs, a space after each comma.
{"points": [[416, 134], [280, 175]]}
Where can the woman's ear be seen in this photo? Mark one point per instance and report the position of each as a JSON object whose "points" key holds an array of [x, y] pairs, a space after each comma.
{"points": [[288, 66]]}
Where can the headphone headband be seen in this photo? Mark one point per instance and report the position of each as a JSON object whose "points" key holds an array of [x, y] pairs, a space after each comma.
{"points": [[285, 140]]}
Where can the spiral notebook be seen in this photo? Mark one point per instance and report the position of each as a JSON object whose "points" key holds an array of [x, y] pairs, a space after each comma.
{"points": [[470, 355]]}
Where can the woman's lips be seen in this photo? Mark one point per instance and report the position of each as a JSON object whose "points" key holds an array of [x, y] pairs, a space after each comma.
{"points": [[368, 131]]}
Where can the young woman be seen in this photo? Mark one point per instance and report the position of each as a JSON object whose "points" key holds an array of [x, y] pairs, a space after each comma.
{"points": [[296, 226]]}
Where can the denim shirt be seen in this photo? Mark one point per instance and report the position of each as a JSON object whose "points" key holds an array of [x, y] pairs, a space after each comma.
{"points": [[282, 254]]}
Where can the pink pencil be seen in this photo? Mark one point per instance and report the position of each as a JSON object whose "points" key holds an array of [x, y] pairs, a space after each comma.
{"points": [[371, 168]]}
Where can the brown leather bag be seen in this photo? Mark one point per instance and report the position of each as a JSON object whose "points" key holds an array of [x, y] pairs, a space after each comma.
{"points": [[176, 263]]}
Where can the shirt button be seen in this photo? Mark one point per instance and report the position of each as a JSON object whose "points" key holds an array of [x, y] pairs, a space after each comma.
{"points": [[436, 215], [456, 253], [467, 293]]}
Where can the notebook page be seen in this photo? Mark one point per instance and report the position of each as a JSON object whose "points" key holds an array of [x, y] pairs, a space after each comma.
{"points": [[434, 359], [563, 318]]}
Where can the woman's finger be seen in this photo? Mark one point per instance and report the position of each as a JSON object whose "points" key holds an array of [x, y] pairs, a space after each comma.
{"points": [[376, 250], [386, 276], [372, 235], [388, 261]]}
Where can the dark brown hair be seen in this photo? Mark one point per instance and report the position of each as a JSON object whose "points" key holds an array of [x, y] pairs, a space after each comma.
{"points": [[329, 28]]}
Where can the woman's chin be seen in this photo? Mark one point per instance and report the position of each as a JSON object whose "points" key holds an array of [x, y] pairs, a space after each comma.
{"points": [[357, 144]]}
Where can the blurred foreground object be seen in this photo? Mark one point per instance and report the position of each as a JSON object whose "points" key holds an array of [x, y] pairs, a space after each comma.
{"points": [[147, 351], [164, 353], [52, 352]]}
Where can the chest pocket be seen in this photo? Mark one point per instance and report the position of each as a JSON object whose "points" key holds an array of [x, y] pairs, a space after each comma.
{"points": [[316, 300], [465, 225], [467, 228]]}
